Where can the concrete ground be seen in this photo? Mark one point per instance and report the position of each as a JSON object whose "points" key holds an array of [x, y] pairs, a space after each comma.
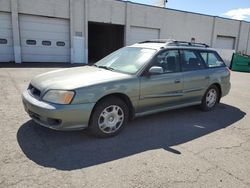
{"points": [[179, 148]]}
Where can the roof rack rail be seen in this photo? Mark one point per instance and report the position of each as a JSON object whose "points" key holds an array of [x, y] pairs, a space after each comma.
{"points": [[157, 41], [184, 43], [172, 42]]}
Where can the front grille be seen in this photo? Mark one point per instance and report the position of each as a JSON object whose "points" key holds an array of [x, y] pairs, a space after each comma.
{"points": [[34, 91]]}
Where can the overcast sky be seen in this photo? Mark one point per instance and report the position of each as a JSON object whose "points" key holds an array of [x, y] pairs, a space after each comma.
{"points": [[236, 9]]}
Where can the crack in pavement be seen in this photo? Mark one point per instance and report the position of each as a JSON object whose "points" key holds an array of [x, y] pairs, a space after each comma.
{"points": [[216, 166], [223, 147]]}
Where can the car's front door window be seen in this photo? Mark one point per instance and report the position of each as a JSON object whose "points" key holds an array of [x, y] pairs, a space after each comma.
{"points": [[168, 60]]}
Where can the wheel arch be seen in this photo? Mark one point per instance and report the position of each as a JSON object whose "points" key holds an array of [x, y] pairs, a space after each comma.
{"points": [[121, 96]]}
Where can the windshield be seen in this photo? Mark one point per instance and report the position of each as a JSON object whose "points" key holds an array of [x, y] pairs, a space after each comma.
{"points": [[128, 60]]}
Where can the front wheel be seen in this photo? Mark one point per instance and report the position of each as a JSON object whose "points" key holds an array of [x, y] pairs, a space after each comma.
{"points": [[109, 117], [210, 99]]}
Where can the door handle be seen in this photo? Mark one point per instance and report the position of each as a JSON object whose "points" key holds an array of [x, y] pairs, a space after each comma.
{"points": [[177, 81]]}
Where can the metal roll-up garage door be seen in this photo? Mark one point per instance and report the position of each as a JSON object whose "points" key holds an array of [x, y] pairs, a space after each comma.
{"points": [[139, 34], [225, 42], [6, 39], [44, 39]]}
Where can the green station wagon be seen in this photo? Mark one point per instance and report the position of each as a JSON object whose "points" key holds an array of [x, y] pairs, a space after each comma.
{"points": [[137, 80]]}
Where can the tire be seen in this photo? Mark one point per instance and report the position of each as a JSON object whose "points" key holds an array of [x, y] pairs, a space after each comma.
{"points": [[210, 98], [109, 117]]}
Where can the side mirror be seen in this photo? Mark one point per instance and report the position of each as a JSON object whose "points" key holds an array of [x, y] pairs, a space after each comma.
{"points": [[155, 70]]}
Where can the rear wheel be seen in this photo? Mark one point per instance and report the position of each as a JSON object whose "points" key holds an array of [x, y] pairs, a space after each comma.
{"points": [[210, 98], [109, 117]]}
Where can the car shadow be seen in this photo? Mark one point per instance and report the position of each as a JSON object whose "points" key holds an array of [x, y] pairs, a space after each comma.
{"points": [[76, 150]]}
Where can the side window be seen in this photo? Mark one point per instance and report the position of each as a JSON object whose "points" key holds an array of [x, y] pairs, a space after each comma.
{"points": [[211, 59], [191, 61], [168, 60]]}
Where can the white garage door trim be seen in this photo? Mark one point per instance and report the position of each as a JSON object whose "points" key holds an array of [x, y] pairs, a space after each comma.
{"points": [[6, 38], [139, 34], [44, 39]]}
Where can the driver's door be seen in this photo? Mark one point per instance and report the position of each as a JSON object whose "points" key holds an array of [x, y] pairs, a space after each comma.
{"points": [[162, 90]]}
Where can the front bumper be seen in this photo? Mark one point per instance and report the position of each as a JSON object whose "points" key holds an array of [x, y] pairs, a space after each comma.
{"points": [[55, 116]]}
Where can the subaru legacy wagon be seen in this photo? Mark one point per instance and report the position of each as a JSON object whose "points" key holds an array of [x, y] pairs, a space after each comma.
{"points": [[137, 80]]}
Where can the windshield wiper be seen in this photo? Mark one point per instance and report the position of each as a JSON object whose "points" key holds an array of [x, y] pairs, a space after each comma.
{"points": [[104, 67]]}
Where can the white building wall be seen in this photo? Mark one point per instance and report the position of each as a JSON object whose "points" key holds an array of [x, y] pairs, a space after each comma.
{"points": [[226, 27], [184, 26], [5, 5], [51, 8], [107, 11], [243, 36], [170, 23]]}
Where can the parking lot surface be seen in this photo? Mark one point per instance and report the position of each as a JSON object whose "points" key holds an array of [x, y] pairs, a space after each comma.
{"points": [[179, 148]]}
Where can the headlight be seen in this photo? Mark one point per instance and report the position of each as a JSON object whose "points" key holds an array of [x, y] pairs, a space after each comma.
{"points": [[59, 96]]}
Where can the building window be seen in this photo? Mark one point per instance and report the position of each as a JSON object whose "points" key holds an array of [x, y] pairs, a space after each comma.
{"points": [[3, 41], [60, 43], [31, 42], [46, 43]]}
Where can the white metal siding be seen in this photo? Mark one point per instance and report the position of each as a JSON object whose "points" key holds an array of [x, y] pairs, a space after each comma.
{"points": [[6, 50], [44, 29], [224, 42], [139, 34]]}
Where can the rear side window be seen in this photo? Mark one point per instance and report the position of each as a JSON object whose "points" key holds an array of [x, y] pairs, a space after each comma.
{"points": [[211, 59], [190, 60]]}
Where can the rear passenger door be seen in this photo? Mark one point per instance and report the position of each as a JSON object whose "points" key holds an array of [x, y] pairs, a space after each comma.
{"points": [[195, 76]]}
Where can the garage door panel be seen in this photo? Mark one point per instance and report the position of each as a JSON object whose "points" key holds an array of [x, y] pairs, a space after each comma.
{"points": [[6, 33], [225, 42], [6, 50], [47, 58], [44, 29], [5, 20], [39, 19], [39, 43], [45, 51], [43, 35], [139, 34]]}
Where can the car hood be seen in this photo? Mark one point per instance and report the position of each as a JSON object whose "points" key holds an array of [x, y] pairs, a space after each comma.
{"points": [[72, 78]]}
